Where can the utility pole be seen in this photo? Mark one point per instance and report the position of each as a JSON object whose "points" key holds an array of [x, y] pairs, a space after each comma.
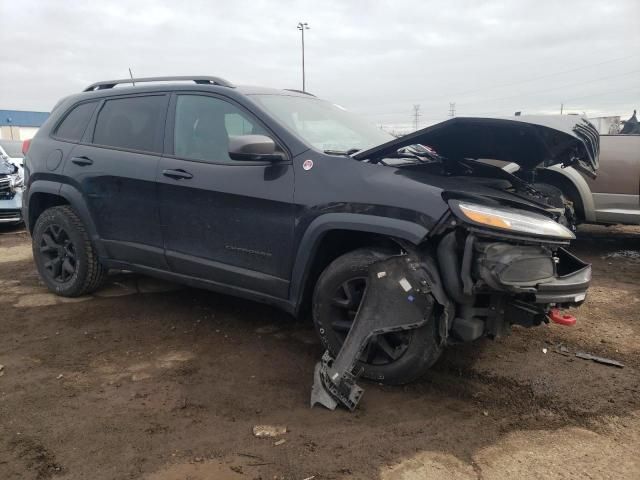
{"points": [[302, 26], [452, 109], [561, 108], [416, 116]]}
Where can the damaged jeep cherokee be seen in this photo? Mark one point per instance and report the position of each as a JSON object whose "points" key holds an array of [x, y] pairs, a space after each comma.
{"points": [[397, 246]]}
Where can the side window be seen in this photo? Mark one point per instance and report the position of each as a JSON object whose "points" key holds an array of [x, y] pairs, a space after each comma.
{"points": [[73, 126], [204, 124], [237, 124], [132, 123]]}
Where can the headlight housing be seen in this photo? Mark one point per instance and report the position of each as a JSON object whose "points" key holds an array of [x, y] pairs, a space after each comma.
{"points": [[510, 220]]}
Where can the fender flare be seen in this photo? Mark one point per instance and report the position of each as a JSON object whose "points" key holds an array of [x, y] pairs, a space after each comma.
{"points": [[581, 186], [38, 186], [76, 200], [313, 235]]}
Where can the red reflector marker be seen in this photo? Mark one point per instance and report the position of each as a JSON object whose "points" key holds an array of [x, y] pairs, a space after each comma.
{"points": [[25, 146], [561, 319]]}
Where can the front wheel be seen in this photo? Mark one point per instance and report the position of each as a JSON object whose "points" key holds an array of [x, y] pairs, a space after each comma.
{"points": [[392, 358], [64, 255]]}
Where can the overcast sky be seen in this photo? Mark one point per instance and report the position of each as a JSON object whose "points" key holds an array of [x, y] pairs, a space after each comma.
{"points": [[375, 58]]}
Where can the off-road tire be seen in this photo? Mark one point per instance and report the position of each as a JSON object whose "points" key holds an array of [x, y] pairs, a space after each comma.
{"points": [[89, 272], [423, 348]]}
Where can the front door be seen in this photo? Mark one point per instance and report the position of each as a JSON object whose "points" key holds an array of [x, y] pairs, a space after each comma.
{"points": [[225, 221]]}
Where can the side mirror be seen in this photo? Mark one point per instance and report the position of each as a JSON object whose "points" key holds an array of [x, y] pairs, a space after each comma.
{"points": [[253, 147]]}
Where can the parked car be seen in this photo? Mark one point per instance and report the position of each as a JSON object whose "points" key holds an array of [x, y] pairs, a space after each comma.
{"points": [[11, 181], [281, 197], [611, 198]]}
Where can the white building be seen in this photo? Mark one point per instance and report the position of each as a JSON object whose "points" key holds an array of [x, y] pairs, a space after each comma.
{"points": [[19, 124]]}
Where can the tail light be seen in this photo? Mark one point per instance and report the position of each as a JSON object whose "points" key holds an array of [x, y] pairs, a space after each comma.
{"points": [[25, 146]]}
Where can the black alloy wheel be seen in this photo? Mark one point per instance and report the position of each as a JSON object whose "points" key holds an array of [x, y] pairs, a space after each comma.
{"points": [[64, 253], [59, 253]]}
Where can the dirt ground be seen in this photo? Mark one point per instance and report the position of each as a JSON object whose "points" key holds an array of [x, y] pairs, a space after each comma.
{"points": [[148, 380]]}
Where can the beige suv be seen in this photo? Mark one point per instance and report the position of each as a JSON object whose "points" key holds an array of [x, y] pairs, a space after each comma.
{"points": [[612, 197]]}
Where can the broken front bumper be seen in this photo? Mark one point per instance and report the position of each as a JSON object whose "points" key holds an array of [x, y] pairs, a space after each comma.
{"points": [[497, 283], [481, 287], [534, 273]]}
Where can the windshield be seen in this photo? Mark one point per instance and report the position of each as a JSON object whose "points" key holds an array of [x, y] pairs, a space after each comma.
{"points": [[322, 124], [12, 148]]}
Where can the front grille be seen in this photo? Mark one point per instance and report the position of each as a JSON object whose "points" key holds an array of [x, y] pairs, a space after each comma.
{"points": [[9, 214], [5, 185], [590, 139]]}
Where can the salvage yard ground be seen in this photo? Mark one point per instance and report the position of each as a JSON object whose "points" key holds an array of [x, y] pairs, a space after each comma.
{"points": [[149, 380]]}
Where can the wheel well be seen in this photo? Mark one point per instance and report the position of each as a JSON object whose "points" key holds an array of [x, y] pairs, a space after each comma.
{"points": [[332, 245], [567, 187], [39, 202]]}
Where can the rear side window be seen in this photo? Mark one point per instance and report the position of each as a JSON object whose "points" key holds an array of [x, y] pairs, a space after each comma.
{"points": [[73, 126], [133, 123]]}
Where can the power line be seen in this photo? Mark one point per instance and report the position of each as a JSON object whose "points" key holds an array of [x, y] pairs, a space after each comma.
{"points": [[538, 93], [539, 104], [532, 79], [546, 104], [635, 90], [560, 87]]}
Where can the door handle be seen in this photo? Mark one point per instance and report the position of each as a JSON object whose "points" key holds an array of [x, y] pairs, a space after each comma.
{"points": [[177, 174], [82, 161]]}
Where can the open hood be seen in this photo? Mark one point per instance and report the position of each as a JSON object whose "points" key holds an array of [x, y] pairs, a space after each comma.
{"points": [[529, 141]]}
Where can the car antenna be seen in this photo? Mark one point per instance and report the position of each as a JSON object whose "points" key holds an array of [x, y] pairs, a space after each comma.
{"points": [[131, 75]]}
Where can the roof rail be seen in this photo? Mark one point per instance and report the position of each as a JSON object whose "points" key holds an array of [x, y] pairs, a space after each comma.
{"points": [[299, 91], [201, 80]]}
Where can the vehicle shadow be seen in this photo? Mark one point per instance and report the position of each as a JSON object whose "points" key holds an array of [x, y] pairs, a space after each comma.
{"points": [[12, 228]]}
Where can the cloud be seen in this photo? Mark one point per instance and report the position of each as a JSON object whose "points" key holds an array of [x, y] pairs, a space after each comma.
{"points": [[376, 58]]}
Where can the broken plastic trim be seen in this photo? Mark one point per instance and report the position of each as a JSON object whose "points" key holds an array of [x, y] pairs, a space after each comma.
{"points": [[398, 297]]}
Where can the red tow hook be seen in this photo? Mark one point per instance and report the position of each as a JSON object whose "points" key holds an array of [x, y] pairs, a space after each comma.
{"points": [[561, 319]]}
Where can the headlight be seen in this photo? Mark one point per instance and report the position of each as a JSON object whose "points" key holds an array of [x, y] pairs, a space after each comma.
{"points": [[513, 220]]}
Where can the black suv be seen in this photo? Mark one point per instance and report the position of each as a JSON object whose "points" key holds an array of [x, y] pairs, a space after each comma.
{"points": [[280, 197]]}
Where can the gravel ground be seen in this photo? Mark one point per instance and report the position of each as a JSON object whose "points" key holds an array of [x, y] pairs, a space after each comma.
{"points": [[149, 380]]}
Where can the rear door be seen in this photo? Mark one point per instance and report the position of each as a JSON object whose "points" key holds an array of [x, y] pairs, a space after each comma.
{"points": [[225, 221], [115, 168]]}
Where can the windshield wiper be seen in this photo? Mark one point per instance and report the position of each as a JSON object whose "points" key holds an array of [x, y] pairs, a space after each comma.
{"points": [[346, 153]]}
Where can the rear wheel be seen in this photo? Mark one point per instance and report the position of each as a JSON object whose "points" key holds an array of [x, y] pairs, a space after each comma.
{"points": [[392, 358], [63, 253]]}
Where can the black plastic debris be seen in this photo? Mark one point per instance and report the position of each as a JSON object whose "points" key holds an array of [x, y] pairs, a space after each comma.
{"points": [[397, 298], [603, 360]]}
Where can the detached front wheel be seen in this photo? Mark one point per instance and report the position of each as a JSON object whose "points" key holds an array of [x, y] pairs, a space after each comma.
{"points": [[393, 358], [64, 255]]}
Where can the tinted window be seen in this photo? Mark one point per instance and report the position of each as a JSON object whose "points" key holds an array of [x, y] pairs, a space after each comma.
{"points": [[133, 123], [74, 124], [203, 126]]}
